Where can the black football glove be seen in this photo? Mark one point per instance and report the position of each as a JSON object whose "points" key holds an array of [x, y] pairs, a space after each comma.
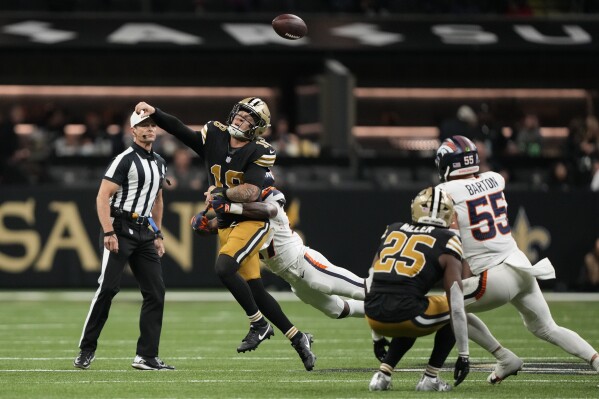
{"points": [[380, 348], [461, 370], [220, 204]]}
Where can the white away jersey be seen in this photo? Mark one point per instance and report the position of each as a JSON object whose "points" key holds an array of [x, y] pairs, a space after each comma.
{"points": [[286, 247], [482, 217]]}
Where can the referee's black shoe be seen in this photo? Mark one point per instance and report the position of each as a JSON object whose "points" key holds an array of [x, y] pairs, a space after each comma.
{"points": [[257, 334], [150, 363], [84, 359]]}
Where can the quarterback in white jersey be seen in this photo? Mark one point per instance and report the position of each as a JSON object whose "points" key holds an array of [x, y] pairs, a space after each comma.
{"points": [[502, 273], [313, 279]]}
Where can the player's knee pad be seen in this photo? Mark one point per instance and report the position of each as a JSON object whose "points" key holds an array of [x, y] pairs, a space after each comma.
{"points": [[225, 266], [323, 287]]}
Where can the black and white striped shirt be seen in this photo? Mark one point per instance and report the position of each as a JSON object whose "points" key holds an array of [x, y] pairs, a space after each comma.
{"points": [[139, 174]]}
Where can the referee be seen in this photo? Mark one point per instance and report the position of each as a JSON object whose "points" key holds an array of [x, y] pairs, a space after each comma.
{"points": [[130, 210]]}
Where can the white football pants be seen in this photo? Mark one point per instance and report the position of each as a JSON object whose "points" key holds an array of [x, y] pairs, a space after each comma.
{"points": [[319, 283], [503, 284]]}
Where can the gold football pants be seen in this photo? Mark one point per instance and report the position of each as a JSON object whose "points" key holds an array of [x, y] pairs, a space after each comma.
{"points": [[242, 243], [432, 319]]}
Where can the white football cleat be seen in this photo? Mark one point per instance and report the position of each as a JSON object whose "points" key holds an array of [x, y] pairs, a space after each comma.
{"points": [[432, 384], [380, 382], [506, 367]]}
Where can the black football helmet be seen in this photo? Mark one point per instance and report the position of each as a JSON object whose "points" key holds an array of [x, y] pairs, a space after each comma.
{"points": [[457, 156], [259, 112]]}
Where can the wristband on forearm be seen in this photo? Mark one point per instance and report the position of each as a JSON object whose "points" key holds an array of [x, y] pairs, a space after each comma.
{"points": [[109, 233], [236, 208]]}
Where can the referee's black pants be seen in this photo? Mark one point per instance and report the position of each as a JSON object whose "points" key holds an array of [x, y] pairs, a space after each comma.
{"points": [[136, 246]]}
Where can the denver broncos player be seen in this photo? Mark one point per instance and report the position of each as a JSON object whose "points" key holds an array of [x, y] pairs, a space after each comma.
{"points": [[411, 259], [312, 278], [502, 273], [237, 159]]}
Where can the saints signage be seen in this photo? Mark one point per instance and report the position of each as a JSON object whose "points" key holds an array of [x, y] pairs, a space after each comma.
{"points": [[50, 238], [345, 33], [35, 235]]}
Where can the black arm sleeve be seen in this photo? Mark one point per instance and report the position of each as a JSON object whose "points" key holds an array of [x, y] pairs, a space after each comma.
{"points": [[174, 126]]}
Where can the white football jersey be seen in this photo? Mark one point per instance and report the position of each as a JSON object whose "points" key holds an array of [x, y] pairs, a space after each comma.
{"points": [[482, 218], [285, 247]]}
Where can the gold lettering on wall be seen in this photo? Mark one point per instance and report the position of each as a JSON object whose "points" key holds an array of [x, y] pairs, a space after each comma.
{"points": [[68, 232], [28, 239]]}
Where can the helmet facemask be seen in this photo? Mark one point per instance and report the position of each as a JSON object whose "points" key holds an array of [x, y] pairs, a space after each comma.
{"points": [[432, 206]]}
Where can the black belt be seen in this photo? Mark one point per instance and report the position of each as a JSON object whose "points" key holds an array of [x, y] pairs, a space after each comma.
{"points": [[133, 216]]}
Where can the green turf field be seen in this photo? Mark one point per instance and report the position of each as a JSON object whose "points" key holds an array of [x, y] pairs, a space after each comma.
{"points": [[39, 337]]}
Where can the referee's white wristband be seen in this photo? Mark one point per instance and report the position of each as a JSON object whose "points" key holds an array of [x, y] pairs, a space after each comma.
{"points": [[236, 208]]}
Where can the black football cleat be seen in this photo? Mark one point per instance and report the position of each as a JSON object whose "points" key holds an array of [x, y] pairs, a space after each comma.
{"points": [[255, 336], [304, 348]]}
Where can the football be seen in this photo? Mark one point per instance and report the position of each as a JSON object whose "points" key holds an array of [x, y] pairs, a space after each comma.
{"points": [[289, 26]]}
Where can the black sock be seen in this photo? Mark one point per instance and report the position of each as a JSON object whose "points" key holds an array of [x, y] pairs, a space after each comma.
{"points": [[397, 348], [260, 323], [226, 268], [444, 342], [297, 337], [269, 307]]}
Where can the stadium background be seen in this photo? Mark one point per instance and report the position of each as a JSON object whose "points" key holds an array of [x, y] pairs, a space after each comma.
{"points": [[365, 95]]}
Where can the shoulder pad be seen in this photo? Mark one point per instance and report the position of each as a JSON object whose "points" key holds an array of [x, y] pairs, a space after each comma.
{"points": [[265, 154], [212, 128], [454, 244], [218, 125]]}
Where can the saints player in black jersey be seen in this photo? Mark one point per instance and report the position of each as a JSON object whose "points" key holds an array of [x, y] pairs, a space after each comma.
{"points": [[237, 159], [411, 259]]}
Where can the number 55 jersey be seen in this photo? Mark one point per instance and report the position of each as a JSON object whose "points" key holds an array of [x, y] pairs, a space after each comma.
{"points": [[481, 211]]}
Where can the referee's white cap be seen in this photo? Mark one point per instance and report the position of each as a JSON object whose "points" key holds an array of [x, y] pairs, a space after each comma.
{"points": [[137, 118]]}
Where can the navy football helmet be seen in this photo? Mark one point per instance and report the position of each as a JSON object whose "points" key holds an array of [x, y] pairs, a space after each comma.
{"points": [[269, 179], [457, 156]]}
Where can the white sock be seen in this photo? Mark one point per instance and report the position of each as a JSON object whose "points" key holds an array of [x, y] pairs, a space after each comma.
{"points": [[595, 361], [479, 333]]}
